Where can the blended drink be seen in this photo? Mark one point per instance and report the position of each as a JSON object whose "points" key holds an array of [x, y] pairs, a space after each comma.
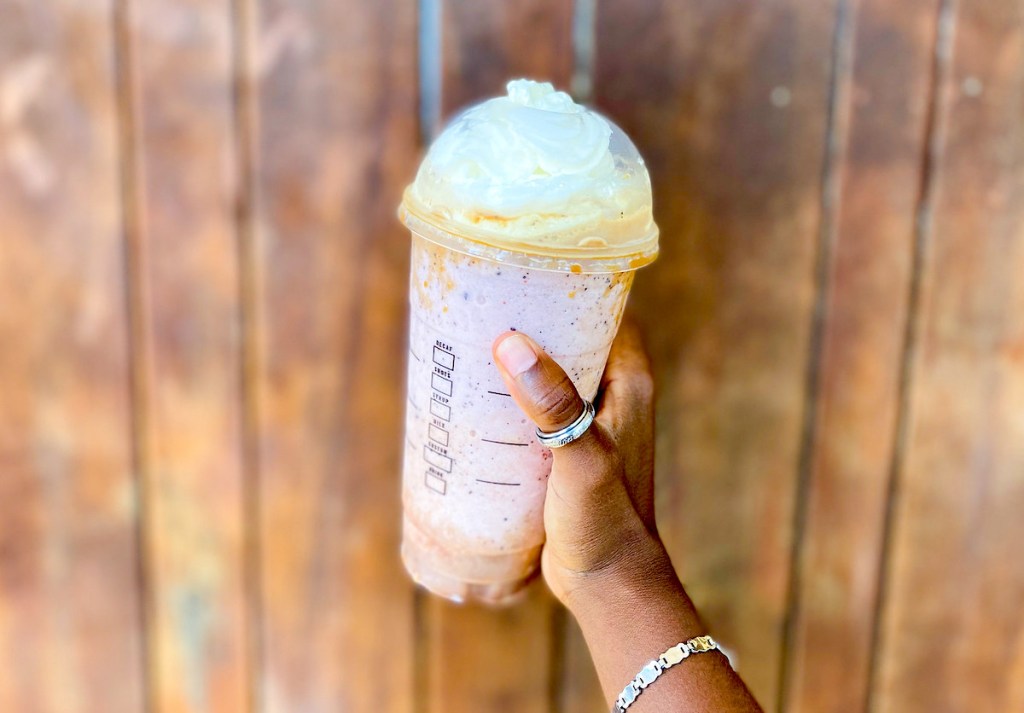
{"points": [[529, 213]]}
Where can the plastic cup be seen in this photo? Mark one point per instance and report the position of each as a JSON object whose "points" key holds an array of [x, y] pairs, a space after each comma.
{"points": [[475, 476]]}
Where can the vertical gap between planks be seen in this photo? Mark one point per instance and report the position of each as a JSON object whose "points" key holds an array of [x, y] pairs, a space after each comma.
{"points": [[139, 374], [429, 60], [243, 76], [584, 38], [556, 672], [429, 82], [420, 679], [934, 138], [837, 116]]}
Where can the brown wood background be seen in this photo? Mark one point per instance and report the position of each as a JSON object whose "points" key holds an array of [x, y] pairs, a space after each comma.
{"points": [[202, 304]]}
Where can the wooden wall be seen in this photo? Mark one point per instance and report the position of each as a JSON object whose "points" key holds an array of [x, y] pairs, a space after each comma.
{"points": [[202, 304]]}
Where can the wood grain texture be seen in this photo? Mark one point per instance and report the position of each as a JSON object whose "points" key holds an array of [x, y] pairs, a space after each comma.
{"points": [[728, 102], [580, 688], [953, 637], [125, 277], [484, 45], [69, 603], [483, 659], [182, 67], [883, 119], [336, 142]]}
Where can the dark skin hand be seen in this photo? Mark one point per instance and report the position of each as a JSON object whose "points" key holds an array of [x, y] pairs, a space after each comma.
{"points": [[603, 558]]}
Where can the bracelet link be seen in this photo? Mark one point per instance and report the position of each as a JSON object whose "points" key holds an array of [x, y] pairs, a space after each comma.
{"points": [[650, 673], [702, 644], [674, 655], [626, 698]]}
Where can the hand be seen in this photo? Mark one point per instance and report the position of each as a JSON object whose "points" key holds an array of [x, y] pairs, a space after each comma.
{"points": [[599, 508], [603, 558]]}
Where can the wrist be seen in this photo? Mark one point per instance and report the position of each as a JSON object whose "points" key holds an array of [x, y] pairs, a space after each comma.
{"points": [[641, 575], [630, 612]]}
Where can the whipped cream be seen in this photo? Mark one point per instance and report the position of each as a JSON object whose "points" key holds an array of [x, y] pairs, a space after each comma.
{"points": [[535, 170]]}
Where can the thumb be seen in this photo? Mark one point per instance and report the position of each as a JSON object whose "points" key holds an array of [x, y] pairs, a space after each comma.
{"points": [[540, 387]]}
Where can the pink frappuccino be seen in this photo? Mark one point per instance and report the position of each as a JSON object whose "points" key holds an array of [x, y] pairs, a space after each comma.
{"points": [[529, 213]]}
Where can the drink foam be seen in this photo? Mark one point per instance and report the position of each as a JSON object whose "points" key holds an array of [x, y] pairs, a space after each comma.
{"points": [[535, 171]]}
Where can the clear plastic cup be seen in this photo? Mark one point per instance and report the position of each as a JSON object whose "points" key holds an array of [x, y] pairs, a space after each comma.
{"points": [[475, 476], [528, 213]]}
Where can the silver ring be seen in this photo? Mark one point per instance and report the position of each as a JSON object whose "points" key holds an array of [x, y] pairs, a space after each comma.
{"points": [[565, 436]]}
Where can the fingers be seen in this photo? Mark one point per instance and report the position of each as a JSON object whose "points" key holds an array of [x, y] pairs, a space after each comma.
{"points": [[628, 354], [627, 404], [542, 389], [546, 394], [622, 439], [627, 385]]}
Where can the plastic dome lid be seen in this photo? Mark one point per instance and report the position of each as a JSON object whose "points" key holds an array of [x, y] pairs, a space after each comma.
{"points": [[537, 174]]}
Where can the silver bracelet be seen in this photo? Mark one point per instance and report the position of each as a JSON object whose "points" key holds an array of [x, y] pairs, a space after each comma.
{"points": [[649, 673]]}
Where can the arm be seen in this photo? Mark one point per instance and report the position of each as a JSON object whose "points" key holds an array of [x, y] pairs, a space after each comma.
{"points": [[632, 618], [603, 558]]}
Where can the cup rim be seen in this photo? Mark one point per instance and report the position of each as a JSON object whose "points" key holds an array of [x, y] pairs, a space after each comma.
{"points": [[579, 260]]}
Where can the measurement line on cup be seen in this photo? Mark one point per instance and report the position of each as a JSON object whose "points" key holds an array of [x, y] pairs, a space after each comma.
{"points": [[499, 393], [504, 443], [494, 482]]}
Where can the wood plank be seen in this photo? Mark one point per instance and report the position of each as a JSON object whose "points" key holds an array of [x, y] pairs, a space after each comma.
{"points": [[483, 659], [885, 96], [336, 142], [484, 45], [69, 606], [181, 54], [731, 115], [952, 636], [580, 688]]}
